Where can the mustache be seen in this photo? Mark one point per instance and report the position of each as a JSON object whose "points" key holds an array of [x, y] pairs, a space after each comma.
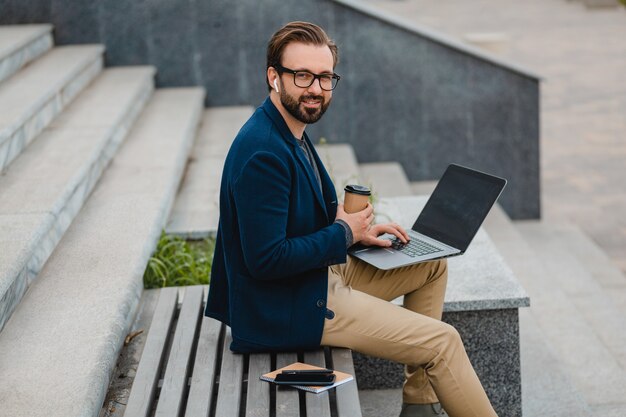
{"points": [[312, 97]]}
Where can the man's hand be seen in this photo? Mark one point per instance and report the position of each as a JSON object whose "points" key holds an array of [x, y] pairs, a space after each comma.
{"points": [[362, 230], [371, 237], [358, 222]]}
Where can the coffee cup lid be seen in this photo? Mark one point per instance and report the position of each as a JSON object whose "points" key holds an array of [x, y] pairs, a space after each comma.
{"points": [[358, 189]]}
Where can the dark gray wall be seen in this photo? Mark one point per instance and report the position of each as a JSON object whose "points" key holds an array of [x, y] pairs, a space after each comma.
{"points": [[404, 95]]}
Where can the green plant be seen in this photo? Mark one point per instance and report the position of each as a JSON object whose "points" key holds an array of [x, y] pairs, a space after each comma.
{"points": [[177, 261]]}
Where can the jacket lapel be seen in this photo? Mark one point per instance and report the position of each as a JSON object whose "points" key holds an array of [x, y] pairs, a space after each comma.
{"points": [[328, 188], [299, 155]]}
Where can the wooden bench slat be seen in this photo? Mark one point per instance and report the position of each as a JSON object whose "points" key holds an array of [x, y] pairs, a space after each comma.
{"points": [[317, 405], [212, 357], [258, 396], [177, 370], [203, 375], [231, 377], [348, 404], [144, 385], [287, 398], [117, 397]]}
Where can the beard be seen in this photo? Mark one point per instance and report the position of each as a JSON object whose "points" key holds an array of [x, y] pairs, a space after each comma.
{"points": [[303, 114]]}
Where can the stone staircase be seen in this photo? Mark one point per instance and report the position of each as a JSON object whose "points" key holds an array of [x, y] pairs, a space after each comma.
{"points": [[91, 161], [578, 312]]}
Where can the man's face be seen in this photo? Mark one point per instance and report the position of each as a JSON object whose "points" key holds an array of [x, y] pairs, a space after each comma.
{"points": [[306, 105]]}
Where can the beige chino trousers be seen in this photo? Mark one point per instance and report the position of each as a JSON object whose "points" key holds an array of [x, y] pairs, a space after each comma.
{"points": [[437, 367]]}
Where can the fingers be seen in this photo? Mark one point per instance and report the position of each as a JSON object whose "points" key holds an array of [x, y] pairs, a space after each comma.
{"points": [[396, 230], [360, 222], [404, 232], [372, 240]]}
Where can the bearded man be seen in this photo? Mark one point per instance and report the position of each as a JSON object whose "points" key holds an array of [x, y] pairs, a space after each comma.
{"points": [[281, 278]]}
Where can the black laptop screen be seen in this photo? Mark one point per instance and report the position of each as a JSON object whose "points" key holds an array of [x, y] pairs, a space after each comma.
{"points": [[458, 206]]}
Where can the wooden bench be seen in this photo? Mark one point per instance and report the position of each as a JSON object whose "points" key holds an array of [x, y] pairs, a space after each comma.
{"points": [[187, 369]]}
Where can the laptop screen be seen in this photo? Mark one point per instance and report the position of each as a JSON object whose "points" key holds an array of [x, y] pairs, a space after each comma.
{"points": [[458, 206]]}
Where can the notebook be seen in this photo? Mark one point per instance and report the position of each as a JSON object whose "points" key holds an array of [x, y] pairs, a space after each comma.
{"points": [[340, 377], [447, 224]]}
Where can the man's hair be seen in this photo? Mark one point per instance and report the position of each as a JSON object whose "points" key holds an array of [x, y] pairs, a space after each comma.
{"points": [[303, 32]]}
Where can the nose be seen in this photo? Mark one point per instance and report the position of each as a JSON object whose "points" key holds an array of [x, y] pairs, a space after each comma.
{"points": [[315, 88]]}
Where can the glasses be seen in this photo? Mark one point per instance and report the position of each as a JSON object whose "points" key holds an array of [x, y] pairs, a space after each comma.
{"points": [[305, 79]]}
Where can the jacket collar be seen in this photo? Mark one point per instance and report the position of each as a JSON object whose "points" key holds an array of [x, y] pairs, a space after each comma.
{"points": [[282, 127], [279, 122]]}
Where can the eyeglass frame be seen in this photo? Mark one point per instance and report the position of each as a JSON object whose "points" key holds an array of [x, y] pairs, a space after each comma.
{"points": [[318, 77]]}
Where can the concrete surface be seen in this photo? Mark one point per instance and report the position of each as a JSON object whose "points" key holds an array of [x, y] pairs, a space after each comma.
{"points": [[70, 349], [32, 98], [20, 44], [44, 189]]}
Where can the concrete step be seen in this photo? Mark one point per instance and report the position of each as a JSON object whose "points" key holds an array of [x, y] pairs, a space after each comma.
{"points": [[423, 187], [341, 163], [597, 263], [595, 304], [579, 353], [602, 4], [43, 190], [196, 210], [34, 96], [547, 389], [62, 343], [20, 44], [387, 179]]}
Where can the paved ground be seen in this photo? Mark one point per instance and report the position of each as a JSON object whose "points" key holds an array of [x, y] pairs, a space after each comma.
{"points": [[581, 53]]}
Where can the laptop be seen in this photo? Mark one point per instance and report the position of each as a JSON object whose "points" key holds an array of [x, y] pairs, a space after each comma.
{"points": [[447, 224]]}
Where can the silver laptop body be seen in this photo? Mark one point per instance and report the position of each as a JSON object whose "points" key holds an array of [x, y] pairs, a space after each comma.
{"points": [[447, 224]]}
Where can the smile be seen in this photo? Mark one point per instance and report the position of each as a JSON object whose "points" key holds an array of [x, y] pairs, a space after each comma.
{"points": [[312, 103]]}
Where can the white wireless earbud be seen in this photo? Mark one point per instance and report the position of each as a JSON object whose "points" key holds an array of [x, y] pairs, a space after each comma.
{"points": [[275, 86]]}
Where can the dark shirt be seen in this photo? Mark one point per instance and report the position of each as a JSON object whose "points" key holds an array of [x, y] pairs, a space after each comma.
{"points": [[305, 148]]}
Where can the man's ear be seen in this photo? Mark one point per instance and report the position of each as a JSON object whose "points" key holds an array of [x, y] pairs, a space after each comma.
{"points": [[272, 78]]}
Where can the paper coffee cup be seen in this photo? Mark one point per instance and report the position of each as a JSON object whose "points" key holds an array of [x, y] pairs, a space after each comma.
{"points": [[356, 198]]}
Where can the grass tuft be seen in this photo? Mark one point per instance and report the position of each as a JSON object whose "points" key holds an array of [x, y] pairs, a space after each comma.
{"points": [[177, 262]]}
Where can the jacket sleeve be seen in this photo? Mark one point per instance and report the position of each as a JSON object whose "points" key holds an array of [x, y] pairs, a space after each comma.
{"points": [[261, 195]]}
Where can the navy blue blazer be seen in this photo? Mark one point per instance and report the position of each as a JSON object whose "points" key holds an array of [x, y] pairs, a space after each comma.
{"points": [[275, 240]]}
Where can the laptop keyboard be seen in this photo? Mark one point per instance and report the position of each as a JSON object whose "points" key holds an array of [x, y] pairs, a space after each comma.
{"points": [[414, 247]]}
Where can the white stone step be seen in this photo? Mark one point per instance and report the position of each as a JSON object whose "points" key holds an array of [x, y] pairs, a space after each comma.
{"points": [[386, 179], [62, 343], [341, 164], [595, 303], [33, 97], [20, 44], [196, 209], [43, 190], [423, 187], [597, 263], [547, 388], [578, 351]]}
